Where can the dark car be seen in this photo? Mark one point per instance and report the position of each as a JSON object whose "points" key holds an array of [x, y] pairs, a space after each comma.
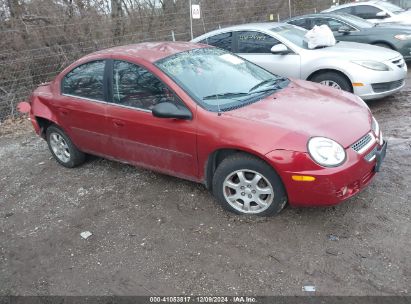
{"points": [[351, 28]]}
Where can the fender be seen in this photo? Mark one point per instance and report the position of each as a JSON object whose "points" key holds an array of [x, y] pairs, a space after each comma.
{"points": [[36, 109]]}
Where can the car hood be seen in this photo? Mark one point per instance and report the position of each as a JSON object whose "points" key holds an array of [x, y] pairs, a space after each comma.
{"points": [[357, 51], [305, 109], [393, 28], [402, 18]]}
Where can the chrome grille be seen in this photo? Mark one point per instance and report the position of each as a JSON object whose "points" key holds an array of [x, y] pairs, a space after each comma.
{"points": [[364, 143]]}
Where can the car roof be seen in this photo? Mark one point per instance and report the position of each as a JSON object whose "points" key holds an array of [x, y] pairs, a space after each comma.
{"points": [[325, 14], [375, 2], [247, 26], [343, 16], [149, 51]]}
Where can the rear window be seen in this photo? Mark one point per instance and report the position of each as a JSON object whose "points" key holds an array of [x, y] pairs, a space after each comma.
{"points": [[85, 81], [304, 23], [345, 10], [222, 41]]}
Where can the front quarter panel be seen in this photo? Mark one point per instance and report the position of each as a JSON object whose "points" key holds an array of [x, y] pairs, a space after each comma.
{"points": [[221, 131], [312, 62]]}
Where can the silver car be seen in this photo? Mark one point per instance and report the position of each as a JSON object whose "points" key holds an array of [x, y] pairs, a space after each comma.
{"points": [[374, 11], [368, 71]]}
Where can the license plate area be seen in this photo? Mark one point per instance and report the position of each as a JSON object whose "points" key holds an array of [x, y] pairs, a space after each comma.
{"points": [[380, 155]]}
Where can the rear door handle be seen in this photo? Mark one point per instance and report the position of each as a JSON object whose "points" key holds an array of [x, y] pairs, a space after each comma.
{"points": [[118, 123]]}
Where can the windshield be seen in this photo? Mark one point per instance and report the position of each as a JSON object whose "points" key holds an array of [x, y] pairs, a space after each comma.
{"points": [[293, 34], [391, 7], [356, 21], [219, 80]]}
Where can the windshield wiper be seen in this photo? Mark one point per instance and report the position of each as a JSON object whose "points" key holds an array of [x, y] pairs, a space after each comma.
{"points": [[267, 82], [225, 95], [262, 83]]}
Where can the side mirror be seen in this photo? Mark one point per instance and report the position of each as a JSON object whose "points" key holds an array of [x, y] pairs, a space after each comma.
{"points": [[381, 15], [280, 49], [23, 107], [344, 29], [170, 110]]}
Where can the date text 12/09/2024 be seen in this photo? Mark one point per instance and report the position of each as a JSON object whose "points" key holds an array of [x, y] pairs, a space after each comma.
{"points": [[203, 299]]}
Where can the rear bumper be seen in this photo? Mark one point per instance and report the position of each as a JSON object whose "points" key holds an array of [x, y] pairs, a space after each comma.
{"points": [[331, 185], [35, 124]]}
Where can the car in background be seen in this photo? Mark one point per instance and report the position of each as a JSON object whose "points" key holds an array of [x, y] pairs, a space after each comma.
{"points": [[405, 4], [347, 27], [368, 71], [374, 11], [201, 113]]}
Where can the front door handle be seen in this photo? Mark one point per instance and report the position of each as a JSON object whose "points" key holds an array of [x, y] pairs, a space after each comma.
{"points": [[118, 123]]}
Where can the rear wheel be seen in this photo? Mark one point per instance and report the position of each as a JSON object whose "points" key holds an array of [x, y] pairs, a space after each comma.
{"points": [[247, 185], [62, 148], [334, 80]]}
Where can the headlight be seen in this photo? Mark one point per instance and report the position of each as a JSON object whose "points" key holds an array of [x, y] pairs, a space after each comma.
{"points": [[372, 65], [375, 126], [326, 152], [376, 129], [402, 37]]}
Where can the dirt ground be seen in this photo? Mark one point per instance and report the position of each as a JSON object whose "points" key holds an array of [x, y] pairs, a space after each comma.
{"points": [[153, 234]]}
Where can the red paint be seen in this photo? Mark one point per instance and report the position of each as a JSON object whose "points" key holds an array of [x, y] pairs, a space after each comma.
{"points": [[275, 129]]}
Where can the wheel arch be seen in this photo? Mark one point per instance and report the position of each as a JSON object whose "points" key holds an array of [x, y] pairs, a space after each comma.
{"points": [[330, 70], [44, 123], [216, 157], [384, 42]]}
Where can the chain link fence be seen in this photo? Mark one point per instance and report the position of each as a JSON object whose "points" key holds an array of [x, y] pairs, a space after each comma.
{"points": [[41, 37]]}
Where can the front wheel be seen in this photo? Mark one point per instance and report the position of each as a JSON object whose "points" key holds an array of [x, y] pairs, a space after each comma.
{"points": [[334, 80], [247, 185]]}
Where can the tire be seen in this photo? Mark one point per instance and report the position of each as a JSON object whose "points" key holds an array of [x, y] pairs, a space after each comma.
{"points": [[334, 80], [235, 176], [383, 45], [62, 148]]}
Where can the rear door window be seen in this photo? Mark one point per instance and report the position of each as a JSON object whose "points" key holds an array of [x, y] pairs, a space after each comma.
{"points": [[333, 24], [366, 11]]}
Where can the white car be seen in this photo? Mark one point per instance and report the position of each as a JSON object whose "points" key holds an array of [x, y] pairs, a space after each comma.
{"points": [[368, 71], [374, 11]]}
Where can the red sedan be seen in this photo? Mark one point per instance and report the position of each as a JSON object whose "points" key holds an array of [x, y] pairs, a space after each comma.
{"points": [[255, 139]]}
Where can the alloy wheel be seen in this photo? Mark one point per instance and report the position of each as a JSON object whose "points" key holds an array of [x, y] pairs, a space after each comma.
{"points": [[331, 83], [248, 191], [59, 147]]}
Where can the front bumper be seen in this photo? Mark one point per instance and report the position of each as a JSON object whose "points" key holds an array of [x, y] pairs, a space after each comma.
{"points": [[331, 185], [367, 92], [379, 84]]}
